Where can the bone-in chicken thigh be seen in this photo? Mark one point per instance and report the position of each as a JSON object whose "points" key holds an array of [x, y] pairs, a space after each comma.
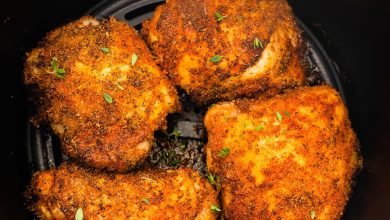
{"points": [[289, 157], [96, 84], [147, 194], [221, 50]]}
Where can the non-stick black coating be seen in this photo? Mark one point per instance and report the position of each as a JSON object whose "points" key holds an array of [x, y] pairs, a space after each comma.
{"points": [[355, 33]]}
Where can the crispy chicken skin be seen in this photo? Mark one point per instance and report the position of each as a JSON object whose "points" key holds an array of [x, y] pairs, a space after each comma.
{"points": [[147, 194], [108, 103], [185, 35], [295, 164]]}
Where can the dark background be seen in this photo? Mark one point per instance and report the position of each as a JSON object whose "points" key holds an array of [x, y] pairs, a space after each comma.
{"points": [[354, 32]]}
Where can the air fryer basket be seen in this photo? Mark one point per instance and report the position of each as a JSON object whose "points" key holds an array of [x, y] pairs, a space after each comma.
{"points": [[354, 33], [170, 149]]}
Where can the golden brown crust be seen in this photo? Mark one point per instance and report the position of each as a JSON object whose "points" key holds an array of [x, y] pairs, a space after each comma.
{"points": [[172, 194], [293, 167], [185, 34], [113, 136]]}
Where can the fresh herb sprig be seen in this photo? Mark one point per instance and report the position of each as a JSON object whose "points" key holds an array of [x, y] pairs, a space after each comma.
{"points": [[214, 181], [175, 133], [58, 72], [257, 43], [219, 16], [215, 208], [212, 178]]}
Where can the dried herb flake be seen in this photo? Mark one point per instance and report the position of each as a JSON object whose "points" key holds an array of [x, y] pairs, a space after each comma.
{"points": [[145, 200], [279, 116], [105, 49], [224, 152], [257, 43], [215, 58], [313, 214], [215, 208], [219, 16], [79, 214], [260, 127], [58, 72], [134, 59], [107, 97]]}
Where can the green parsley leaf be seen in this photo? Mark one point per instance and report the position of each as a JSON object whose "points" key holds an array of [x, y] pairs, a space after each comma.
{"points": [[145, 200], [215, 208], [257, 43], [134, 58], [218, 16], [224, 152], [79, 214], [215, 59], [260, 127], [313, 214], [279, 116], [287, 114], [107, 97], [105, 49]]}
